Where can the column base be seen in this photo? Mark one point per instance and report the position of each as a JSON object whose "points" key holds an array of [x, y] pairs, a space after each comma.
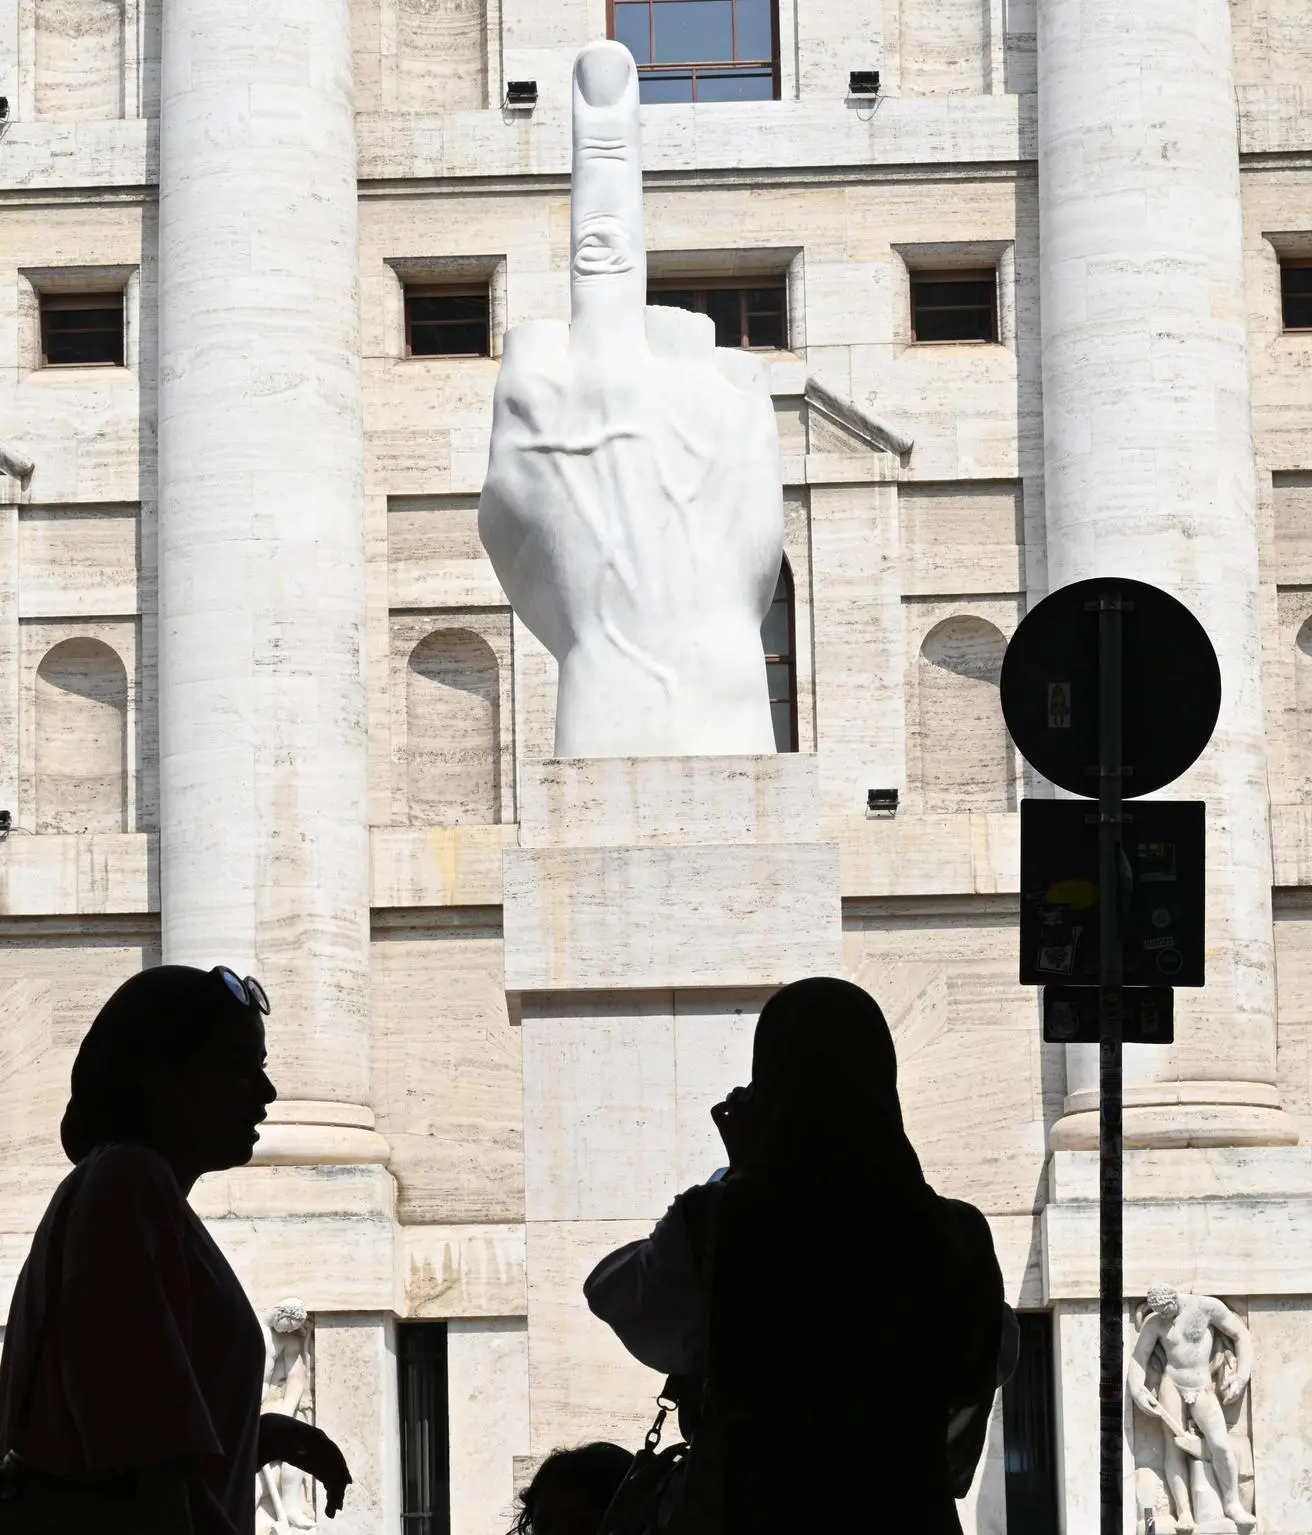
{"points": [[303, 1133], [1182, 1122]]}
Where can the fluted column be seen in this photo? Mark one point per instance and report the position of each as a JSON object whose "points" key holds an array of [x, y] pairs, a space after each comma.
{"points": [[264, 853], [1150, 474]]}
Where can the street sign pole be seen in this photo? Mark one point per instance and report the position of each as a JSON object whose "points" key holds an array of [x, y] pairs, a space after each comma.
{"points": [[1110, 609], [1152, 722]]}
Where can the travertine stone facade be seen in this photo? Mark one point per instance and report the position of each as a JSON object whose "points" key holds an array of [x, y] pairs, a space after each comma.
{"points": [[261, 694]]}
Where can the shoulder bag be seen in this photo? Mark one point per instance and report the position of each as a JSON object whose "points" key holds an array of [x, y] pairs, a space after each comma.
{"points": [[676, 1490], [35, 1502]]}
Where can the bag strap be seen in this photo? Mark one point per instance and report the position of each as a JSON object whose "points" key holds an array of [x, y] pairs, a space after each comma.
{"points": [[54, 1278]]}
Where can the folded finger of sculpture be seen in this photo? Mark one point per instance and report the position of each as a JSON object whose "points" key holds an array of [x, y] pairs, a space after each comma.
{"points": [[633, 508]]}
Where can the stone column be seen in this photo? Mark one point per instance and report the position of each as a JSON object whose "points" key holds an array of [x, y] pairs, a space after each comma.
{"points": [[264, 840], [1150, 474]]}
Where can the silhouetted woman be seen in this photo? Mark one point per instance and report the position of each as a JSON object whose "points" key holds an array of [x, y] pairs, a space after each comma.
{"points": [[841, 1313], [149, 1368]]}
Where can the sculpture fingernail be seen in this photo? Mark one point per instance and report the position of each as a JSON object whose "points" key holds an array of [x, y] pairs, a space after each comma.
{"points": [[603, 74]]}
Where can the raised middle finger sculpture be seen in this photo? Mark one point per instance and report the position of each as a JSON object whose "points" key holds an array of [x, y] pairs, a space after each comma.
{"points": [[633, 508]]}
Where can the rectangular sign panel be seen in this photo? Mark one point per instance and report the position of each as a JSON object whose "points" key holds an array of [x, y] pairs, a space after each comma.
{"points": [[1070, 1015], [1162, 892]]}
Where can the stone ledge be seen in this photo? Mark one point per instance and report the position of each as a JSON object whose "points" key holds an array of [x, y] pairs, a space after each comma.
{"points": [[633, 802], [90, 874], [766, 136], [1259, 1172], [971, 852], [460, 1271], [1233, 1246], [670, 917], [415, 866], [1291, 845]]}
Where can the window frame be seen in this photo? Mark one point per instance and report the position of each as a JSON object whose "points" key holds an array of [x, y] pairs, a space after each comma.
{"points": [[417, 1346], [699, 287], [929, 276], [60, 300], [1289, 263], [410, 291], [785, 578], [719, 67]]}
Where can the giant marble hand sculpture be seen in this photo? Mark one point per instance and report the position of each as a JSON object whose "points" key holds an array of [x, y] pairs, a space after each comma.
{"points": [[633, 509]]}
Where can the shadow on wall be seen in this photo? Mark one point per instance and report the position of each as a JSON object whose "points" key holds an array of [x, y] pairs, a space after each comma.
{"points": [[1300, 752], [453, 731], [81, 739], [963, 758]]}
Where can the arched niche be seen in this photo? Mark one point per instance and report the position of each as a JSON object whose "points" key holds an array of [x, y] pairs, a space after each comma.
{"points": [[453, 731], [81, 739], [963, 759]]}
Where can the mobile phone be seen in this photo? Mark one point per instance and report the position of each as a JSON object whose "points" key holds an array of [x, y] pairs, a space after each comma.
{"points": [[719, 1175]]}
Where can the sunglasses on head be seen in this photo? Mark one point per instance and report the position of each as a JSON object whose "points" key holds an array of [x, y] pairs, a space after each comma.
{"points": [[248, 992]]}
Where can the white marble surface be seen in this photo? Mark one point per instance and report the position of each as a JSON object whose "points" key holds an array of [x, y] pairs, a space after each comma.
{"points": [[1150, 372], [487, 1392], [1282, 1411], [263, 849], [633, 509], [687, 917], [599, 1112], [356, 1405], [669, 801]]}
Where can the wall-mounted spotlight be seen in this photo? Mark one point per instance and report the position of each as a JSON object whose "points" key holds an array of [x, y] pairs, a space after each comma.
{"points": [[4, 109], [6, 823], [863, 82], [881, 802], [521, 95]]}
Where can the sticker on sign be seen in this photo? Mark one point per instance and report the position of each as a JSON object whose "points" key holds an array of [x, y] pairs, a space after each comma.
{"points": [[1059, 706]]}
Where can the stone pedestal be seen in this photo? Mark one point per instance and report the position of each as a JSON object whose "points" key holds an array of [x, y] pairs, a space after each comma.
{"points": [[651, 908], [356, 1405], [1233, 1223]]}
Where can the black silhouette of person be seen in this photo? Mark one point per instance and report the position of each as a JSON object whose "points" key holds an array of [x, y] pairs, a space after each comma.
{"points": [[842, 1314], [152, 1359], [571, 1491]]}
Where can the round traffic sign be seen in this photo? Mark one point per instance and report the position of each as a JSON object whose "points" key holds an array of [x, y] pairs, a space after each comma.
{"points": [[1171, 686]]}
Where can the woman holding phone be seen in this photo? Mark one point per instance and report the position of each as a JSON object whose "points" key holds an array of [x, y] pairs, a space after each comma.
{"points": [[848, 1322]]}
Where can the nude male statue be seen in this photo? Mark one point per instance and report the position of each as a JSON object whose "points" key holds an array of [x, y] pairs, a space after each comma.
{"points": [[286, 1390], [1185, 1326]]}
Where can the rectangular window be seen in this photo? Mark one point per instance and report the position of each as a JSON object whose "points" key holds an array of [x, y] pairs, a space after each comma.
{"points": [[779, 641], [425, 1438], [81, 330], [954, 306], [1296, 294], [448, 321], [756, 317], [1029, 1433], [700, 50]]}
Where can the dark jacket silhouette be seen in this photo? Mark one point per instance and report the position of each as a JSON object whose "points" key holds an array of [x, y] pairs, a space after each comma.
{"points": [[839, 1309]]}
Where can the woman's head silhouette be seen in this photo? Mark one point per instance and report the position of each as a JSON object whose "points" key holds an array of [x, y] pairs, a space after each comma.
{"points": [[174, 1061]]}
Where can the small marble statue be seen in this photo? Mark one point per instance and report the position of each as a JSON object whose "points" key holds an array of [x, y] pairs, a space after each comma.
{"points": [[633, 507], [284, 1494], [1189, 1371]]}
